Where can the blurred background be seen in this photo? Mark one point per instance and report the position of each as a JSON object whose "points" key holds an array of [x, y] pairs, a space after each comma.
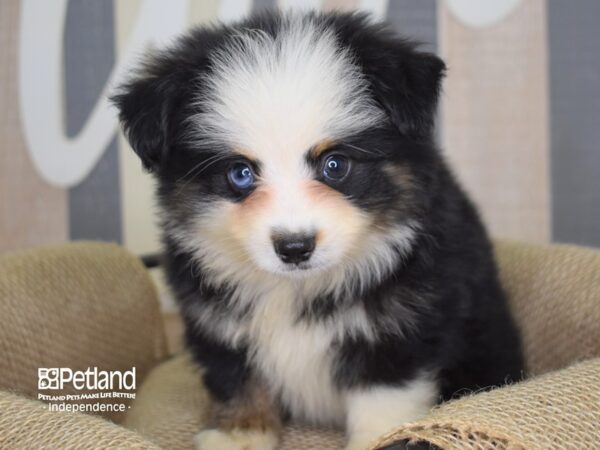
{"points": [[519, 119]]}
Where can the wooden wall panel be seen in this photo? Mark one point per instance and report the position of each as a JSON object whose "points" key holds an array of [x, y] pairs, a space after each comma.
{"points": [[495, 117], [203, 11], [89, 52], [138, 215], [31, 211], [416, 21], [341, 5], [573, 37]]}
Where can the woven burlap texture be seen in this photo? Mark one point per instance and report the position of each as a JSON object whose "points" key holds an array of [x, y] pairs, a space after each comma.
{"points": [[554, 292], [77, 306], [559, 410], [73, 304], [28, 425]]}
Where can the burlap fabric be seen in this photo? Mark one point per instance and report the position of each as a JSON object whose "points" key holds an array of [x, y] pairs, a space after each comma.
{"points": [[28, 425], [559, 410], [77, 306], [554, 290]]}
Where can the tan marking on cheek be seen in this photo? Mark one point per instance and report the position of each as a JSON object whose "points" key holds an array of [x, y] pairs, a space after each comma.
{"points": [[226, 231], [350, 221], [400, 175], [232, 225], [321, 147], [318, 192], [221, 228], [245, 213], [318, 237], [256, 203], [406, 205]]}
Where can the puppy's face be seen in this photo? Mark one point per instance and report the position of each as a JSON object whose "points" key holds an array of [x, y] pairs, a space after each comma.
{"points": [[275, 152]]}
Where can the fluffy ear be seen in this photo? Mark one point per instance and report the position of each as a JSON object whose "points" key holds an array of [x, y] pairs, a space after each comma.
{"points": [[407, 83], [155, 103], [145, 103]]}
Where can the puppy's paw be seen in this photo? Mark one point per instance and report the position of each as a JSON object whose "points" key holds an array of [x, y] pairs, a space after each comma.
{"points": [[235, 439]]}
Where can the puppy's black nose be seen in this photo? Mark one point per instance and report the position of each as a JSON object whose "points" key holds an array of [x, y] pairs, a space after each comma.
{"points": [[294, 248]]}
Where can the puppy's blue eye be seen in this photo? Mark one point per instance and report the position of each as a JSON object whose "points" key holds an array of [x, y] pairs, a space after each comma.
{"points": [[336, 167], [241, 177]]}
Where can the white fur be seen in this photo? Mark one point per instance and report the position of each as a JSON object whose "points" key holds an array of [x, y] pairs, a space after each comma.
{"points": [[280, 96], [296, 360], [294, 357], [376, 410], [235, 440]]}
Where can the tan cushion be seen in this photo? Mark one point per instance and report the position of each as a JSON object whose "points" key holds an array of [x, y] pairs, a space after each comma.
{"points": [[554, 292], [77, 305], [559, 410], [171, 405], [27, 424]]}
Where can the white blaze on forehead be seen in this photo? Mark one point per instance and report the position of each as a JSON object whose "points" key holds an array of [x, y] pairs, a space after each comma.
{"points": [[278, 96]]}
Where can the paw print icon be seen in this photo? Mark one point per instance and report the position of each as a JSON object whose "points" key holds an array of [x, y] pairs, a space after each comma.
{"points": [[48, 378]]}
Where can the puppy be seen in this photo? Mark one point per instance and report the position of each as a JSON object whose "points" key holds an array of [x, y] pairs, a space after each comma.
{"points": [[328, 266]]}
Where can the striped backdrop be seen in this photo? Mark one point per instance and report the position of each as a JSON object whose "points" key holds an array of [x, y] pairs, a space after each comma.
{"points": [[519, 119]]}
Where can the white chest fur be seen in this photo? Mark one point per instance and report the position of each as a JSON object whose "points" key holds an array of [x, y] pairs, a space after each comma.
{"points": [[295, 358]]}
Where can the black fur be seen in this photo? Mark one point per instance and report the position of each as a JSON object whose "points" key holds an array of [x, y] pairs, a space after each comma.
{"points": [[459, 327]]}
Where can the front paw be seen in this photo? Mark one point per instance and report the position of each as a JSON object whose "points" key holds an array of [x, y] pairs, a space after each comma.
{"points": [[235, 439]]}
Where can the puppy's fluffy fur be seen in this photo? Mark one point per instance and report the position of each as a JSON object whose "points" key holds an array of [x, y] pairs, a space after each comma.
{"points": [[397, 306]]}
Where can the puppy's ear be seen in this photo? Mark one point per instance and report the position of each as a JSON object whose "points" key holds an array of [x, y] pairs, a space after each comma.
{"points": [[146, 105], [410, 89], [405, 81]]}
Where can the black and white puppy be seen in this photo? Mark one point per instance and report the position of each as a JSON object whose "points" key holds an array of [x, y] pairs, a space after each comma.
{"points": [[328, 266]]}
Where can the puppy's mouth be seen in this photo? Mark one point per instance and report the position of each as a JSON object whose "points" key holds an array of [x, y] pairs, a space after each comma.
{"points": [[297, 267], [299, 270]]}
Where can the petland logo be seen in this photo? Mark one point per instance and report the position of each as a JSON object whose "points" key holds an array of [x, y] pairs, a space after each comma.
{"points": [[91, 379]]}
